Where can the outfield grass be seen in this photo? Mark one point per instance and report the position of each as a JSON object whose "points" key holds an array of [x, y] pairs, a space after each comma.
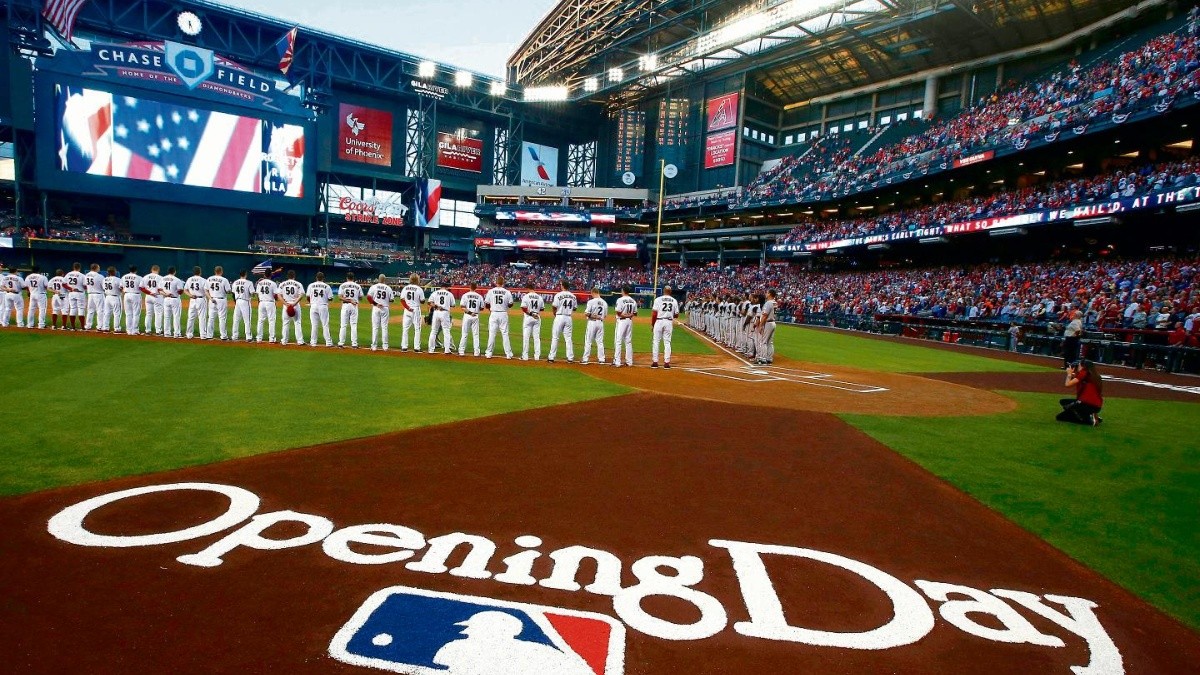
{"points": [[84, 409], [1123, 499], [846, 349]]}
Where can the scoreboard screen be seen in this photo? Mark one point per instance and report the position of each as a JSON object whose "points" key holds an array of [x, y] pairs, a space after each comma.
{"points": [[672, 122], [631, 141], [154, 146]]}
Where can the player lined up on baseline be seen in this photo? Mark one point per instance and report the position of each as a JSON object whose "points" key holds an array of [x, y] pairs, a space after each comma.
{"points": [[744, 324], [93, 301]]}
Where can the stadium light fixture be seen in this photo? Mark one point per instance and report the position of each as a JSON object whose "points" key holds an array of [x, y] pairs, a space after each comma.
{"points": [[648, 62], [591, 84], [426, 69], [464, 78], [547, 94], [616, 74], [498, 88]]}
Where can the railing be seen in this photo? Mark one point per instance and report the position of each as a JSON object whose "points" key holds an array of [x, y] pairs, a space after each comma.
{"points": [[1135, 348]]}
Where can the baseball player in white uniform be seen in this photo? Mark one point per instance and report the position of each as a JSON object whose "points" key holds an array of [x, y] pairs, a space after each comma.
{"points": [[766, 330], [95, 298], [564, 304], [623, 336], [197, 289], [12, 285], [532, 305], [441, 300], [291, 292], [153, 283], [172, 301], [319, 294], [498, 300], [596, 310], [76, 297], [349, 293], [131, 286], [218, 304], [666, 308], [380, 295], [36, 283], [472, 304], [58, 301], [110, 317], [266, 290], [412, 297], [243, 291]]}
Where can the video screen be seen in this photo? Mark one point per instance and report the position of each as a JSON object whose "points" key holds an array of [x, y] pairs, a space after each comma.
{"points": [[104, 134]]}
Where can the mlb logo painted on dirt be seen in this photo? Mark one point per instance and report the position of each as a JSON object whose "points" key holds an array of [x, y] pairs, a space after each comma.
{"points": [[420, 632]]}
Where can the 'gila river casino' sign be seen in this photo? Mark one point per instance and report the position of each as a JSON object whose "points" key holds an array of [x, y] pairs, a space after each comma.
{"points": [[997, 614]]}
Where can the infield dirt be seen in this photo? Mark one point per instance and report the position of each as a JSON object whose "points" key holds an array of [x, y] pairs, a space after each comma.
{"points": [[637, 475]]}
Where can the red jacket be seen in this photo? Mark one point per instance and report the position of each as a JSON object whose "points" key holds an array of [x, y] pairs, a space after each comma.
{"points": [[1086, 390]]}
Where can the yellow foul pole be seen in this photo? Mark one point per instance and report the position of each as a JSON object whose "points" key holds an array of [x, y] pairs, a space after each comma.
{"points": [[662, 177]]}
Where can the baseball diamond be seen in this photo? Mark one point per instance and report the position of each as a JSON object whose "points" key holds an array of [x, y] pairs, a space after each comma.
{"points": [[729, 337]]}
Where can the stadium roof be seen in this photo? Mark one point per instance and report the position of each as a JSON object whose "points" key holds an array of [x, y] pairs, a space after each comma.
{"points": [[796, 50]]}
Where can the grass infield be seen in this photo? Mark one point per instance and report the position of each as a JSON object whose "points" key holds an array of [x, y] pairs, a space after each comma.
{"points": [[93, 408], [1122, 499]]}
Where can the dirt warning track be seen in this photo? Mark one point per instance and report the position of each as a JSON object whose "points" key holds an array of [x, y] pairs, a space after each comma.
{"points": [[716, 538]]}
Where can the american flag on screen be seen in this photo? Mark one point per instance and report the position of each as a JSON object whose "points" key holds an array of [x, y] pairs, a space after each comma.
{"points": [[263, 267], [125, 137], [61, 14]]}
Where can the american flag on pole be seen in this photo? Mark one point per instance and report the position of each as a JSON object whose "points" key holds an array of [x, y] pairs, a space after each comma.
{"points": [[125, 137], [286, 49], [61, 14], [263, 267]]}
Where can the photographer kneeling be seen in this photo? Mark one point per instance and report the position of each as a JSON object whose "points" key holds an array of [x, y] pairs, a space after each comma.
{"points": [[1089, 395]]}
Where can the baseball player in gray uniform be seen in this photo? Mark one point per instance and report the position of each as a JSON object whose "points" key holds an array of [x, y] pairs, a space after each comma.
{"points": [[766, 331]]}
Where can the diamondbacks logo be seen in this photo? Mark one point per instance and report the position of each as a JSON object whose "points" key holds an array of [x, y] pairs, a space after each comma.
{"points": [[419, 632], [723, 117], [354, 124]]}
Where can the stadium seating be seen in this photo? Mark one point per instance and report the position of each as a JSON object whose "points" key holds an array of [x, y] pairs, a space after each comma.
{"points": [[1154, 73], [1137, 181]]}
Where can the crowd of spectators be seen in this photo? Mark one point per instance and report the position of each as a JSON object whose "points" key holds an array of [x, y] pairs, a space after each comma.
{"points": [[64, 228], [1156, 72], [1153, 294], [1124, 183]]}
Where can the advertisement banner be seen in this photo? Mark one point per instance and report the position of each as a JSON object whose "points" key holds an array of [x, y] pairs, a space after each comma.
{"points": [[723, 112], [539, 217], [364, 135], [720, 149], [459, 152], [364, 205], [528, 244], [1094, 210], [974, 159], [176, 68], [539, 165]]}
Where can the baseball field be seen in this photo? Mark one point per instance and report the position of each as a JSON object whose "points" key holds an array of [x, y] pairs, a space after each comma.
{"points": [[865, 504]]}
